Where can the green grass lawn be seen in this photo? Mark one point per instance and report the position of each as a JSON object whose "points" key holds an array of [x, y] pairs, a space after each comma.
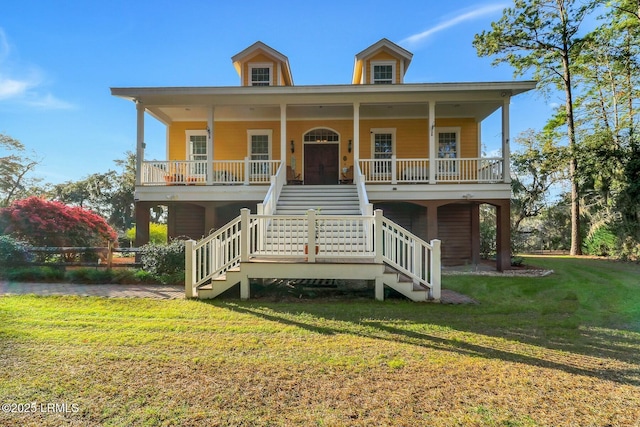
{"points": [[561, 350]]}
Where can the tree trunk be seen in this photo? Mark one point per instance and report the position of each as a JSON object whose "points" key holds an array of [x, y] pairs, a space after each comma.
{"points": [[576, 241]]}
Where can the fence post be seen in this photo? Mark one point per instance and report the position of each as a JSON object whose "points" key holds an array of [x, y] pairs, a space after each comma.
{"points": [[378, 235], [109, 255], [436, 268], [189, 269]]}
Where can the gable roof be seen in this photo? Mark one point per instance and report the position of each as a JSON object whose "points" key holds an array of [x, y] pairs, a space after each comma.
{"points": [[403, 55], [239, 57]]}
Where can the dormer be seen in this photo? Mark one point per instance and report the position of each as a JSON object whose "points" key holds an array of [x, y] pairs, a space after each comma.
{"points": [[261, 65], [381, 63]]}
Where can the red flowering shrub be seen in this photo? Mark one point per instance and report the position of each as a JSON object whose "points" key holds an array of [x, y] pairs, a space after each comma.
{"points": [[44, 223]]}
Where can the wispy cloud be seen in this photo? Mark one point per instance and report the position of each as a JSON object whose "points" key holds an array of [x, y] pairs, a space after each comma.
{"points": [[461, 17], [23, 84]]}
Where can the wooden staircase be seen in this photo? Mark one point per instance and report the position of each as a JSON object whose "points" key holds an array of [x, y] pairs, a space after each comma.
{"points": [[352, 247], [380, 275], [326, 199]]}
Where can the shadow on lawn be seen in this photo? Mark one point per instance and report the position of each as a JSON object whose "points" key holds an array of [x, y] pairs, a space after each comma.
{"points": [[597, 352]]}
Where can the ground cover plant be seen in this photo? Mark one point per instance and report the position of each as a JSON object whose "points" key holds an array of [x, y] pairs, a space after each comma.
{"points": [[561, 350]]}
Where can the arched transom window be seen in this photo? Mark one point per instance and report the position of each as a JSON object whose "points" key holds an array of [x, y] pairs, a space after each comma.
{"points": [[321, 135]]}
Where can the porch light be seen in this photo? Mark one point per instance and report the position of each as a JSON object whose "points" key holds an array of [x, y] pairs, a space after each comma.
{"points": [[349, 146], [293, 147]]}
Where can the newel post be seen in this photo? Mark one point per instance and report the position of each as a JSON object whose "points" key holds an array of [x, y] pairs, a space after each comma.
{"points": [[378, 235], [189, 269], [436, 270], [312, 226], [245, 234]]}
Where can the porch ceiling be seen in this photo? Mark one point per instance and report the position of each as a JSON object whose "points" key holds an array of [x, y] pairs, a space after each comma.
{"points": [[476, 100], [478, 110]]}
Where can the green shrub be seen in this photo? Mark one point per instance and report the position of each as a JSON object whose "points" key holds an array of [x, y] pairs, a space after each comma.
{"points": [[33, 274], [161, 260], [13, 252], [90, 275], [602, 242]]}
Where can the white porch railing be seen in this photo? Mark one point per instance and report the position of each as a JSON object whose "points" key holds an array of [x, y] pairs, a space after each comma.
{"points": [[192, 172], [337, 237], [416, 171]]}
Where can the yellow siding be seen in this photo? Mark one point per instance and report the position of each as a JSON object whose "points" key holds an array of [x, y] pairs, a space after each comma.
{"points": [[231, 143], [383, 55], [178, 138], [468, 135], [412, 137], [259, 58]]}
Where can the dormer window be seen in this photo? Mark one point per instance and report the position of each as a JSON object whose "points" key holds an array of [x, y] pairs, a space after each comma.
{"points": [[261, 74], [383, 74]]}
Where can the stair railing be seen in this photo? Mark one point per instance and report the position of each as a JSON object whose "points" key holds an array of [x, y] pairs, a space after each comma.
{"points": [[212, 256], [241, 239], [409, 254]]}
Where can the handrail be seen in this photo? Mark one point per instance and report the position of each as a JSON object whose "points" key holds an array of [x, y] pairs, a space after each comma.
{"points": [[409, 254], [217, 253], [366, 208], [268, 205]]}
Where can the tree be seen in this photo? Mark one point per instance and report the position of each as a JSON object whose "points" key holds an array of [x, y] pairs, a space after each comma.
{"points": [[110, 194], [45, 223], [536, 169], [15, 167], [543, 35], [608, 72]]}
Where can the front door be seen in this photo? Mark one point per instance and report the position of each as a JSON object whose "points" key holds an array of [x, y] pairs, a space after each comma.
{"points": [[321, 164]]}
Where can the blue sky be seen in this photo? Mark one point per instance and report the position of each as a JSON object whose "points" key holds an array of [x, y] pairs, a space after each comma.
{"points": [[58, 60]]}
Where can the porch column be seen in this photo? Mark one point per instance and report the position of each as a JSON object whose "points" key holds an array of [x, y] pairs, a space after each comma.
{"points": [[356, 133], [143, 217], [139, 140], [503, 235], [210, 124], [475, 233], [283, 133], [432, 142], [506, 152]]}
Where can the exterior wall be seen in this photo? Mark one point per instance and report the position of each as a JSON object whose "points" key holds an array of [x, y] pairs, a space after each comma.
{"points": [[412, 137], [382, 55], [229, 139], [468, 135], [260, 58], [178, 138], [454, 230], [186, 219]]}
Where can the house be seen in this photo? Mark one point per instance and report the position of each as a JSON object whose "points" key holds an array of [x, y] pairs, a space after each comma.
{"points": [[411, 150]]}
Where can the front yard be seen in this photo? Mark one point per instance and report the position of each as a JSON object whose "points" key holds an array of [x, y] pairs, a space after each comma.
{"points": [[561, 350]]}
